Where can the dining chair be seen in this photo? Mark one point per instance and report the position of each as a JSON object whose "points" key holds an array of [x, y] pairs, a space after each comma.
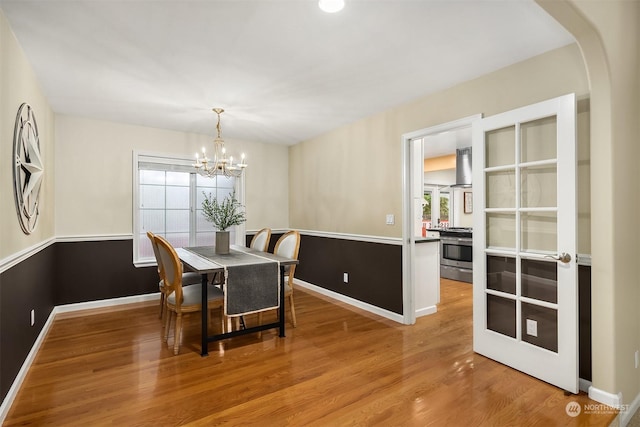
{"points": [[188, 278], [182, 300], [288, 245], [261, 240]]}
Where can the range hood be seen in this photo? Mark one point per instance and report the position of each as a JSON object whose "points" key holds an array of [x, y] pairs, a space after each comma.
{"points": [[463, 167]]}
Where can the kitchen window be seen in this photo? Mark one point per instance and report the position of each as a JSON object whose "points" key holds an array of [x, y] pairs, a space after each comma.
{"points": [[168, 197], [438, 210]]}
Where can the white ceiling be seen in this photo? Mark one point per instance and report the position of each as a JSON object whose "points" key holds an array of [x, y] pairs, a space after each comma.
{"points": [[446, 143], [283, 70]]}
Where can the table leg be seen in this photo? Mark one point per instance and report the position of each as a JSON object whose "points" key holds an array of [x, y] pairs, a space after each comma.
{"points": [[205, 321], [282, 298]]}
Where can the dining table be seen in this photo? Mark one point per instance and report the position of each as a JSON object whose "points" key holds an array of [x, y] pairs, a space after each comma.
{"points": [[204, 260]]}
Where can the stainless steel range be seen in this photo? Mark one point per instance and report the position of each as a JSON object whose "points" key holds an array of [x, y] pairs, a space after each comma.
{"points": [[456, 254]]}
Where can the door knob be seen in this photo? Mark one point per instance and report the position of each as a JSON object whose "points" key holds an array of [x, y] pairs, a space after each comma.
{"points": [[563, 257]]}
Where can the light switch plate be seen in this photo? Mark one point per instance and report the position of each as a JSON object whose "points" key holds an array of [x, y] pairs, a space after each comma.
{"points": [[391, 219], [532, 327]]}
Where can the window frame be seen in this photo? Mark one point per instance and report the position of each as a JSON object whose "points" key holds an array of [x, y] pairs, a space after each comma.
{"points": [[178, 161]]}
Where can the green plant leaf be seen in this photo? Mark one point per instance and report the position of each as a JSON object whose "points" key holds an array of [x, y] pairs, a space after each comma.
{"points": [[223, 214]]}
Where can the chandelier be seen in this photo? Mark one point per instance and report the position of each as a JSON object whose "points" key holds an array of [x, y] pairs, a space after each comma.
{"points": [[220, 165]]}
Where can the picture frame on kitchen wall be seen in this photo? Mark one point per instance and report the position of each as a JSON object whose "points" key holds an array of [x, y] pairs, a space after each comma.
{"points": [[468, 202]]}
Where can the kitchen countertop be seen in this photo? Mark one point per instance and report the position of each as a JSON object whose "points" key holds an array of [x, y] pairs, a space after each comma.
{"points": [[427, 239]]}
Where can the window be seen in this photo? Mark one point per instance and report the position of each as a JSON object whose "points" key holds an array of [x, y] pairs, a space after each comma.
{"points": [[426, 209], [438, 210], [444, 208], [168, 197]]}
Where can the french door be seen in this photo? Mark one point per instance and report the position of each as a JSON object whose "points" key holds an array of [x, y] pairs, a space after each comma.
{"points": [[525, 299]]}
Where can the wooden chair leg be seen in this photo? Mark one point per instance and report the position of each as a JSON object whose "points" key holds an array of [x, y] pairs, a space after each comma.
{"points": [[167, 325], [293, 310], [161, 304], [176, 335]]}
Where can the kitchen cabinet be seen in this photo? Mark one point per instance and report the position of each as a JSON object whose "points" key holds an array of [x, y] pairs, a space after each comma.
{"points": [[433, 234], [427, 275]]}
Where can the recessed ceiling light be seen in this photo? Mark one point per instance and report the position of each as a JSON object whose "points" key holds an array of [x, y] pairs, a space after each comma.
{"points": [[331, 6]]}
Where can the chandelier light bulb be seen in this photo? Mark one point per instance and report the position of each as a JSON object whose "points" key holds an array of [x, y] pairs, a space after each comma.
{"points": [[331, 6]]}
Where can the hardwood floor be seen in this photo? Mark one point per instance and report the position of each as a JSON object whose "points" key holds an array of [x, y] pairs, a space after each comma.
{"points": [[340, 366]]}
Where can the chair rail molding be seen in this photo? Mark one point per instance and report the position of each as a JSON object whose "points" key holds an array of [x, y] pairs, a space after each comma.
{"points": [[24, 254], [16, 258], [348, 236]]}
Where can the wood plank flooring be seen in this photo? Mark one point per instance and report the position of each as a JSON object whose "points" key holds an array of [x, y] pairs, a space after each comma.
{"points": [[340, 366]]}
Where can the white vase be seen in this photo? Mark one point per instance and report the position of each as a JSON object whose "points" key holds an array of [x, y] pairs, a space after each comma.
{"points": [[222, 242]]}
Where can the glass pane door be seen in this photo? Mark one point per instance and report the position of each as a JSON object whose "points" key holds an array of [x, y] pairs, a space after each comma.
{"points": [[525, 298]]}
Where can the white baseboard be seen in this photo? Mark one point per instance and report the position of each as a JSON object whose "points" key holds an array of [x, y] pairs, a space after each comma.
{"points": [[26, 365], [426, 311], [614, 400], [106, 303], [629, 411], [351, 301], [22, 373]]}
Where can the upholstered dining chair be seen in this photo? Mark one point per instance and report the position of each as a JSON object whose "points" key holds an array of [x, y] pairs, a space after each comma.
{"points": [[261, 240], [288, 246], [181, 300], [188, 278]]}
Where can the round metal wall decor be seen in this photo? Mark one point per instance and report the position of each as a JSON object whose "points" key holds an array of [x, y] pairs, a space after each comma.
{"points": [[28, 169]]}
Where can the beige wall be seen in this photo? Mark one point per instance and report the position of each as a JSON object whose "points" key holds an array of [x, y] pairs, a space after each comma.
{"points": [[348, 179], [17, 85], [608, 33], [94, 174]]}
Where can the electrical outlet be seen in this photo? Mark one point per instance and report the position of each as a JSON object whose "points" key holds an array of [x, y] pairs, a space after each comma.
{"points": [[637, 358], [33, 317], [391, 219], [345, 278], [532, 328]]}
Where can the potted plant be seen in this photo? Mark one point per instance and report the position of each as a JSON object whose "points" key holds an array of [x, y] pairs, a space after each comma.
{"points": [[223, 215]]}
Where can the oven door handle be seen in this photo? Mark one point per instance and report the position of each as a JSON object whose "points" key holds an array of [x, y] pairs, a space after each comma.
{"points": [[450, 240]]}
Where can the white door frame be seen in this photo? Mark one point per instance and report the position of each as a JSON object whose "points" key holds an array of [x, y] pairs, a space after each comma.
{"points": [[408, 237]]}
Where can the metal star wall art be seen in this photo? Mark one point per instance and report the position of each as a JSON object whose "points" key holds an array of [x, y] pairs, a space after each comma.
{"points": [[28, 170]]}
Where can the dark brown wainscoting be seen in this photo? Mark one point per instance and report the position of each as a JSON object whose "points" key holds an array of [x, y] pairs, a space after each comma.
{"points": [[26, 286], [584, 321], [375, 269], [90, 271]]}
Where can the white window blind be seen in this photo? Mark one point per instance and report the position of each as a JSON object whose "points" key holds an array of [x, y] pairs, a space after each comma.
{"points": [[168, 197]]}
